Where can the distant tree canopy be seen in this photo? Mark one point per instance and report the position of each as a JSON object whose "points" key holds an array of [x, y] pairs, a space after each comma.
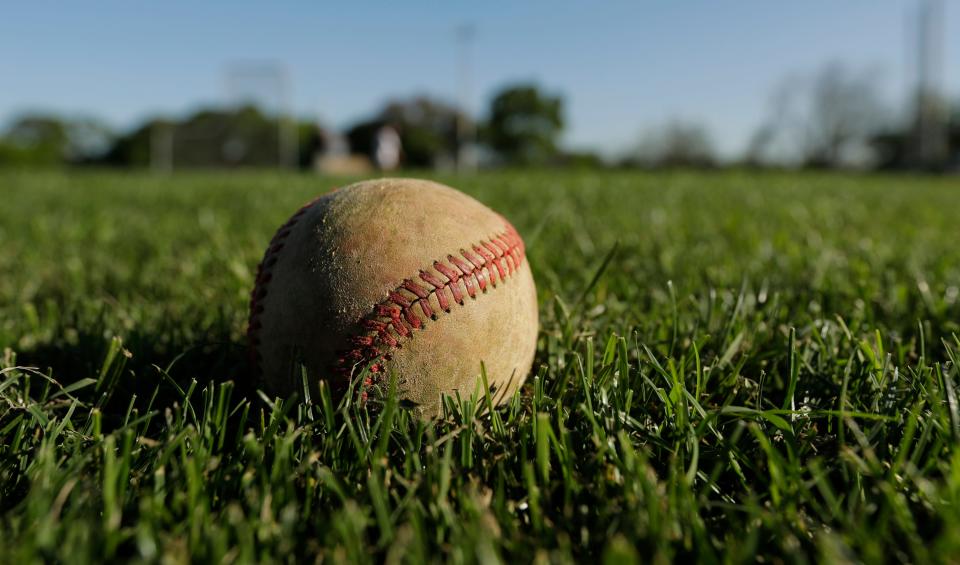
{"points": [[525, 125], [675, 144], [898, 147], [845, 111], [823, 120], [133, 149], [242, 136], [835, 118], [427, 128], [48, 140], [829, 118], [579, 160]]}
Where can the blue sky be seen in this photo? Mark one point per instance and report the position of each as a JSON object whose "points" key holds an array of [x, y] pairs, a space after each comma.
{"points": [[621, 66]]}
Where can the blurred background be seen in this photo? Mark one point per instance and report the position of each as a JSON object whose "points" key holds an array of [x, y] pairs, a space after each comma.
{"points": [[349, 89]]}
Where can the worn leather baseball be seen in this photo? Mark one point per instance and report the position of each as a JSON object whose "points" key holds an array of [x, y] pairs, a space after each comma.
{"points": [[398, 276]]}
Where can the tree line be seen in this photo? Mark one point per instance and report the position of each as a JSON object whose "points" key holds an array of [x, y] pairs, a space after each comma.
{"points": [[523, 129], [833, 118]]}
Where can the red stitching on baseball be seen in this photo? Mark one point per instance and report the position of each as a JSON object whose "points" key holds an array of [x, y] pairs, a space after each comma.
{"points": [[396, 316], [427, 277], [399, 299], [416, 289], [455, 289], [446, 271], [427, 310], [460, 264], [398, 311]]}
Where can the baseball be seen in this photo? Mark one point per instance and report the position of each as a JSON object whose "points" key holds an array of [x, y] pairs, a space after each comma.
{"points": [[396, 276]]}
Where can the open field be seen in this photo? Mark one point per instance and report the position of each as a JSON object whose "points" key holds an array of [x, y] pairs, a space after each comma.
{"points": [[729, 363]]}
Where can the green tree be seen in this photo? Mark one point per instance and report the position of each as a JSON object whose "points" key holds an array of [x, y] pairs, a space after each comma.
{"points": [[896, 147], [820, 120], [674, 144], [213, 137], [242, 136], [525, 124], [427, 128], [133, 148], [46, 140]]}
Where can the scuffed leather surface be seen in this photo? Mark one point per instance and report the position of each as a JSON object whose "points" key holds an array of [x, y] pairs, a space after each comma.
{"points": [[354, 246]]}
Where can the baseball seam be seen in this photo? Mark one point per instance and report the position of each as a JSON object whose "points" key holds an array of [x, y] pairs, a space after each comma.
{"points": [[484, 265], [260, 287]]}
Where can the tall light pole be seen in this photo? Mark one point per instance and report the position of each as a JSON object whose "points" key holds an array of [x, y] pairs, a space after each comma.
{"points": [[931, 130], [466, 130], [161, 146]]}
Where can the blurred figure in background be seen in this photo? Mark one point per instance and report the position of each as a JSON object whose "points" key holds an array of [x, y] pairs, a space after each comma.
{"points": [[387, 148]]}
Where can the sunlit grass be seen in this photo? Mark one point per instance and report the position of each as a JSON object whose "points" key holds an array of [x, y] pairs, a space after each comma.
{"points": [[729, 364]]}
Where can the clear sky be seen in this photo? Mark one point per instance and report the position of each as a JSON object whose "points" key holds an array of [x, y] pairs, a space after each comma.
{"points": [[621, 66]]}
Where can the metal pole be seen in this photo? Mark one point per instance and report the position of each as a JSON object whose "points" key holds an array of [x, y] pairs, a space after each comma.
{"points": [[466, 131], [161, 147], [931, 111]]}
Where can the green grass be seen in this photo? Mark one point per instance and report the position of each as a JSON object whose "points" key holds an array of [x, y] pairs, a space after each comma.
{"points": [[766, 365]]}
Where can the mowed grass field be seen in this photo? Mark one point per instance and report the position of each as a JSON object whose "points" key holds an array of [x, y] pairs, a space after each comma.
{"points": [[729, 365]]}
